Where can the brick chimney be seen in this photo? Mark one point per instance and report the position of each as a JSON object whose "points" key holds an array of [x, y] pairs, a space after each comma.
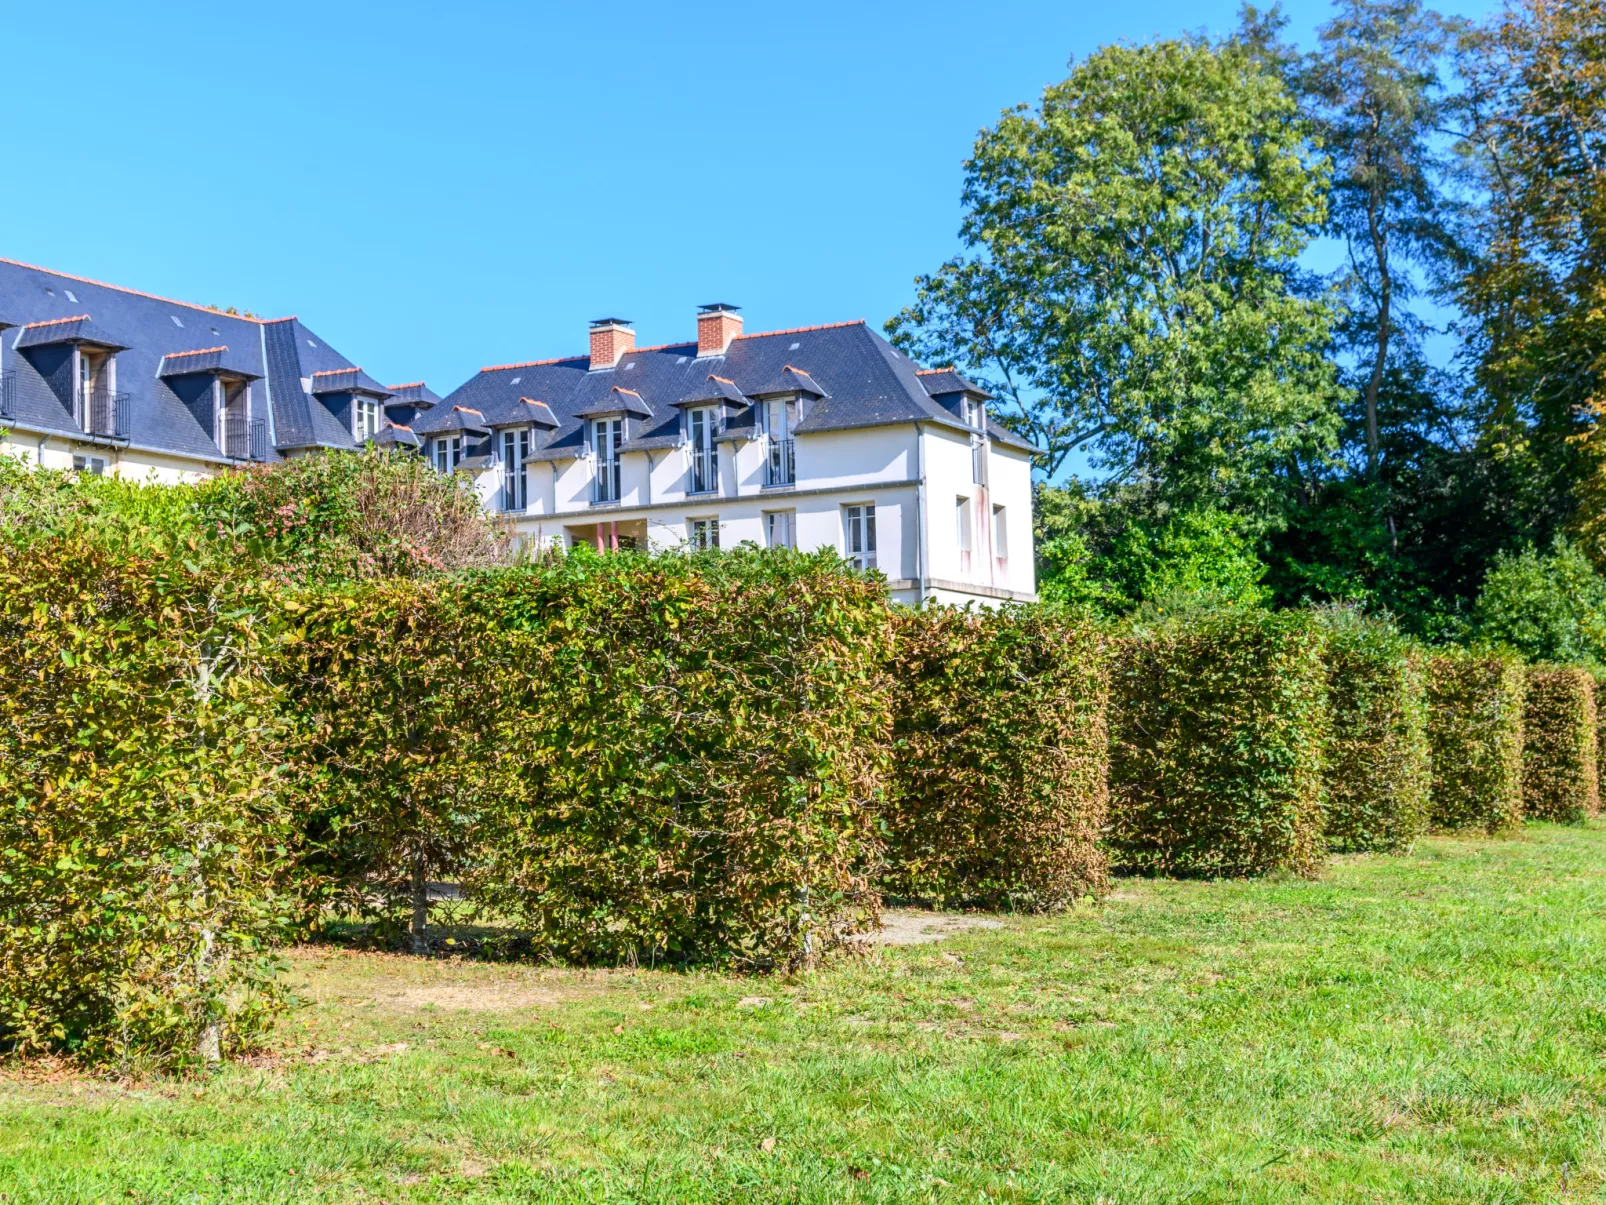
{"points": [[717, 324], [611, 338]]}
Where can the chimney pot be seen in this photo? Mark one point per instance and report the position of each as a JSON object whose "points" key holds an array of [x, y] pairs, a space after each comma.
{"points": [[717, 324], [611, 339]]}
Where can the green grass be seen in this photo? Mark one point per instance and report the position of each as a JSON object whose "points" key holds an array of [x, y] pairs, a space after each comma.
{"points": [[1423, 1029]]}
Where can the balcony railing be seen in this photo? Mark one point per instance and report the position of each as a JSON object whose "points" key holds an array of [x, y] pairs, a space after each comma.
{"points": [[8, 396], [106, 414], [245, 438], [514, 490], [783, 466]]}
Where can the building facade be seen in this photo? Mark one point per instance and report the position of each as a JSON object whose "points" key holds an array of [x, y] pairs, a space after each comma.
{"points": [[819, 437]]}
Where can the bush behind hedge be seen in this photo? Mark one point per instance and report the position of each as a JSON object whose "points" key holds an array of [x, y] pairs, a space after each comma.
{"points": [[1378, 769], [1475, 703], [1559, 751], [140, 835], [1219, 729], [1000, 758]]}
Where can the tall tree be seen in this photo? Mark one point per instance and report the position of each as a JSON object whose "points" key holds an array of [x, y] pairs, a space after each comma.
{"points": [[1130, 286]]}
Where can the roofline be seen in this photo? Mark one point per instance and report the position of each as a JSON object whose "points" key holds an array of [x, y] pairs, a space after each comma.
{"points": [[199, 351], [29, 326], [534, 363], [798, 330], [90, 280]]}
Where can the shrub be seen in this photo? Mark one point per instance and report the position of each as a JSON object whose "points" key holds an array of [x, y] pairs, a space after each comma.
{"points": [[1219, 723], [139, 829], [1475, 735], [1377, 765], [1559, 773], [1548, 607], [1000, 757], [671, 757]]}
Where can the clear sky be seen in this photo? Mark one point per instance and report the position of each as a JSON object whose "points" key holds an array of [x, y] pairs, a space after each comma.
{"points": [[438, 187]]}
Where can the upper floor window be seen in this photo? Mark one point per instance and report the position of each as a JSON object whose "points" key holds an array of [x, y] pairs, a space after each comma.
{"points": [[701, 430], [100, 410], [608, 434], [780, 416], [975, 414], [365, 418], [515, 477], [1000, 534], [448, 452], [962, 530], [858, 536], [978, 460]]}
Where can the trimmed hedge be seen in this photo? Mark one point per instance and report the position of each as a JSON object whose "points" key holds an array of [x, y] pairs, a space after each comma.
{"points": [[1000, 758], [1559, 750], [140, 836], [648, 758], [1377, 766], [1475, 734], [1218, 729]]}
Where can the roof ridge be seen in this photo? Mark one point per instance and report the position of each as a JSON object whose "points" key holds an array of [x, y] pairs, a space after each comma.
{"points": [[663, 346], [533, 363], [57, 321], [798, 330], [329, 372], [926, 372], [407, 385], [199, 351], [90, 280]]}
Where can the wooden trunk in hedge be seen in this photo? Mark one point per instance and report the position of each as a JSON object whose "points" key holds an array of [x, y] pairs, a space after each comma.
{"points": [[1475, 703], [1219, 726], [1377, 765], [998, 788], [1559, 773], [140, 830]]}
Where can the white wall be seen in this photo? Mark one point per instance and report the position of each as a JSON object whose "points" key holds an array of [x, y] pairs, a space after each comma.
{"points": [[56, 452]]}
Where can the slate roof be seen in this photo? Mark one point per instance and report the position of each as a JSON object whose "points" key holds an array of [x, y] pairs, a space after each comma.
{"points": [[942, 381], [79, 328], [209, 360], [415, 394], [346, 380], [862, 381], [283, 354]]}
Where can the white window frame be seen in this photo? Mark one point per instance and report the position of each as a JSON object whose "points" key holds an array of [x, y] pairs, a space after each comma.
{"points": [[448, 453], [95, 466], [859, 535], [365, 417], [606, 436], [780, 529], [964, 530], [701, 427], [702, 533], [1000, 534], [515, 446]]}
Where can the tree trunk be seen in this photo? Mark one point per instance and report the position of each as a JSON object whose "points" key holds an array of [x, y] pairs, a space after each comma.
{"points": [[420, 923], [1385, 285]]}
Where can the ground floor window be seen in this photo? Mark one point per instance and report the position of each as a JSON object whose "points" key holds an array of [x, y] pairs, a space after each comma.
{"points": [[780, 528], [858, 535], [704, 533], [94, 465]]}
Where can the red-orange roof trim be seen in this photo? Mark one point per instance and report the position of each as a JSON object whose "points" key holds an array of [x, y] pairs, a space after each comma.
{"points": [[199, 351], [56, 321], [798, 330]]}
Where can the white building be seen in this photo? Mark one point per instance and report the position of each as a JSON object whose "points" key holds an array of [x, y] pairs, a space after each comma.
{"points": [[820, 437]]}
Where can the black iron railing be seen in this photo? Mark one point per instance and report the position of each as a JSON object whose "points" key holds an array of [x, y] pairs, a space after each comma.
{"points": [[783, 466], [245, 438], [8, 396], [106, 414]]}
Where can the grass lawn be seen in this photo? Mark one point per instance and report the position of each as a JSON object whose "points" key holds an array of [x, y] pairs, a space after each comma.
{"points": [[1421, 1029]]}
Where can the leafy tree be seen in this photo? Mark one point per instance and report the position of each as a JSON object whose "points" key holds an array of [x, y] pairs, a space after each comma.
{"points": [[1549, 607], [1131, 287]]}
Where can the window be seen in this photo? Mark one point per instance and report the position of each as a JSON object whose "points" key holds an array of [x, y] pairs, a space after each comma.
{"points": [[704, 534], [780, 529], [858, 536], [962, 531], [978, 460], [448, 452], [704, 459], [608, 434], [365, 418], [1000, 535], [975, 414], [780, 416], [515, 477], [94, 465]]}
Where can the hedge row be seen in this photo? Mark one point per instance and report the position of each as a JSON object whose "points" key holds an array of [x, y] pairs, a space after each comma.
{"points": [[997, 792], [1475, 703], [141, 831], [1559, 750]]}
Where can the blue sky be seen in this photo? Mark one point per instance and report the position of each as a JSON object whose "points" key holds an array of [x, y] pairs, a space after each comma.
{"points": [[438, 187]]}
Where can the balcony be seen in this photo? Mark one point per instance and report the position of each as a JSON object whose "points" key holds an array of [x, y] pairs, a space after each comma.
{"points": [[782, 463], [245, 438], [8, 396], [106, 414]]}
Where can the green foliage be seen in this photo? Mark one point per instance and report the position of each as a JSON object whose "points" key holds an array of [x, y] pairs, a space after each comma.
{"points": [[1377, 764], [140, 834], [1000, 757], [120, 514], [1546, 607], [1560, 775], [1135, 240], [1218, 732], [1475, 705]]}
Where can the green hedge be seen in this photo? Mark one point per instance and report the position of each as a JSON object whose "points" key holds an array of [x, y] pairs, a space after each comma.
{"points": [[646, 758], [1559, 750], [1377, 766], [1475, 734], [1219, 724], [1000, 758], [140, 836]]}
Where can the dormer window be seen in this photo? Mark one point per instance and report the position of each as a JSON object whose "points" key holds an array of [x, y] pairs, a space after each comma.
{"points": [[364, 418], [448, 453], [780, 416], [701, 427], [975, 414]]}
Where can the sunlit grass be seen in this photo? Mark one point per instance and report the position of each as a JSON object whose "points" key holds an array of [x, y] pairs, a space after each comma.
{"points": [[1422, 1029]]}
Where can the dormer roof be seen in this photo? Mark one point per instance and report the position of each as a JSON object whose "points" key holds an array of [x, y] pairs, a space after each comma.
{"points": [[211, 360], [415, 394], [525, 412], [80, 328], [940, 382], [789, 380], [618, 400], [346, 380], [713, 389]]}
